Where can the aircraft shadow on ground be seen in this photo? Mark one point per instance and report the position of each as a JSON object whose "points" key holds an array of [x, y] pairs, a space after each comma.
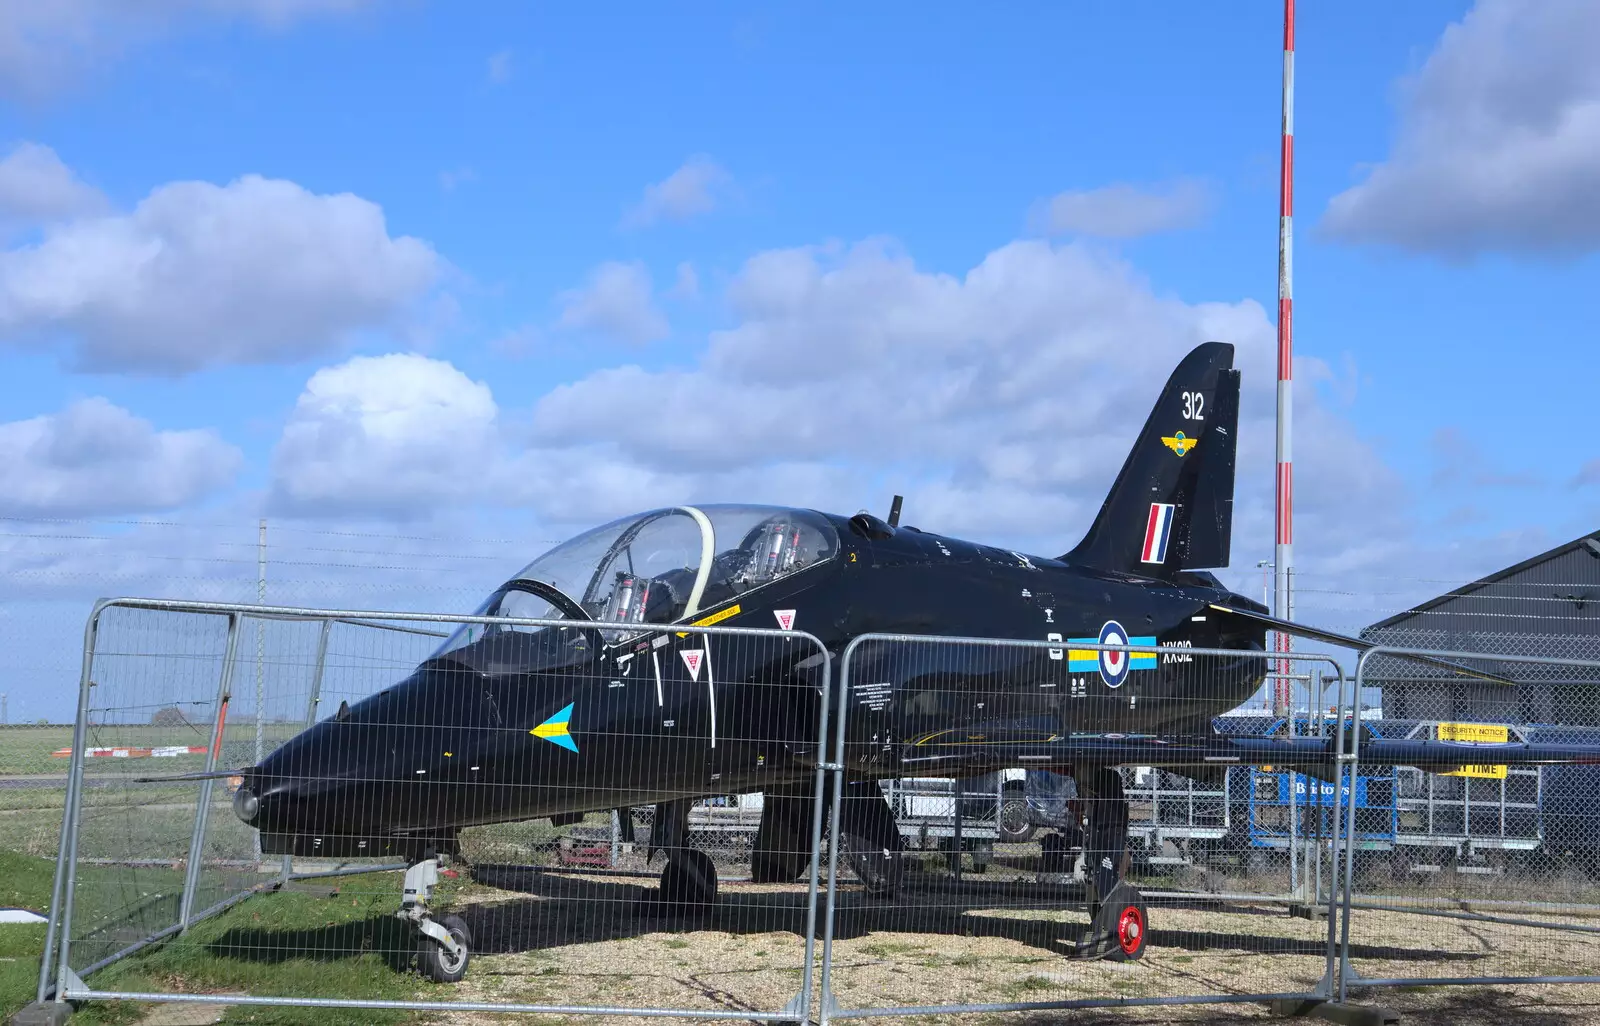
{"points": [[577, 910], [562, 910]]}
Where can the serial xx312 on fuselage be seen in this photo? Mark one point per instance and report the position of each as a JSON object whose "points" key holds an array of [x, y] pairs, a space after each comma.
{"points": [[511, 723]]}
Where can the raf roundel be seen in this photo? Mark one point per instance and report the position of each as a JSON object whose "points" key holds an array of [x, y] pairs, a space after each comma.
{"points": [[1113, 665]]}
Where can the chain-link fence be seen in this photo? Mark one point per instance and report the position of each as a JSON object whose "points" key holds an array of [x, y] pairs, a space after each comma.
{"points": [[385, 803]]}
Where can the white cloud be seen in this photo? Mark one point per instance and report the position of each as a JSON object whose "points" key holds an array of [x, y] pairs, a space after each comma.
{"points": [[1124, 211], [1001, 402], [402, 434], [46, 43], [200, 275], [36, 187], [694, 189], [499, 67], [616, 300], [97, 458], [1499, 140]]}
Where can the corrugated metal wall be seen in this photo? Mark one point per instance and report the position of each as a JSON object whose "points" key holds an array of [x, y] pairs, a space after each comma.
{"points": [[1551, 608]]}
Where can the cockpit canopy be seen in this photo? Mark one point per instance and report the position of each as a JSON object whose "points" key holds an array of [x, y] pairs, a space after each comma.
{"points": [[662, 566]]}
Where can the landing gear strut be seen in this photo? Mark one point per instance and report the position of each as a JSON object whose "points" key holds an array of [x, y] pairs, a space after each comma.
{"points": [[443, 946], [1117, 914], [870, 839]]}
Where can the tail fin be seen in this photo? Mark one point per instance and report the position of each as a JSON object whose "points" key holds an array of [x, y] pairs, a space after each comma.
{"points": [[1171, 507]]}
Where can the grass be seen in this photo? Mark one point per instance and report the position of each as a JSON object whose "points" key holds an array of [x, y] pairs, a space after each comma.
{"points": [[25, 883], [305, 943], [26, 750]]}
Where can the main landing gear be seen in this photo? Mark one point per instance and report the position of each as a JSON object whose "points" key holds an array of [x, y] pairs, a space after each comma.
{"points": [[444, 945], [689, 881], [1118, 920]]}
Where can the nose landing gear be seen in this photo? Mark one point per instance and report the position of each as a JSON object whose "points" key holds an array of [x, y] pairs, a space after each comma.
{"points": [[443, 946], [689, 881]]}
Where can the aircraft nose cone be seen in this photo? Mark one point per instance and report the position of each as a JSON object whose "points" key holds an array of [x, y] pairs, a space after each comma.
{"points": [[246, 804]]}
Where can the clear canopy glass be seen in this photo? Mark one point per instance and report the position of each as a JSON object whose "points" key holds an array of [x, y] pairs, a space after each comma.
{"points": [[662, 566]]}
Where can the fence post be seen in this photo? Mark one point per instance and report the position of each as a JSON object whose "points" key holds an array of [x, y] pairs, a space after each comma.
{"points": [[66, 880], [1294, 814], [836, 766], [825, 695], [191, 876], [1350, 824], [1334, 841]]}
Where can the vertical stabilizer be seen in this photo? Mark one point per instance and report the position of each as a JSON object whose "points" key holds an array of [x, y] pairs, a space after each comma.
{"points": [[1171, 507]]}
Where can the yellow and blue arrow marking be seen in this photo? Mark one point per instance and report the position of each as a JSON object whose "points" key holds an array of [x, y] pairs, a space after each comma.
{"points": [[554, 730]]}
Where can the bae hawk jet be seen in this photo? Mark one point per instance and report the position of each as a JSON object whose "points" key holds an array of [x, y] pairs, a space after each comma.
{"points": [[513, 723]]}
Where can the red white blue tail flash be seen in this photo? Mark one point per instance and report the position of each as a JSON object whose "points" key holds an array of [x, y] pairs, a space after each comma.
{"points": [[1156, 530]]}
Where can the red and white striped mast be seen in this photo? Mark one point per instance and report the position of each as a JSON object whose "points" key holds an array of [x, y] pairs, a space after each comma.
{"points": [[1283, 552]]}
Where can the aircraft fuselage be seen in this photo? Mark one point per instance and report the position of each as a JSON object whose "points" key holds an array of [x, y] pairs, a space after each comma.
{"points": [[475, 737]]}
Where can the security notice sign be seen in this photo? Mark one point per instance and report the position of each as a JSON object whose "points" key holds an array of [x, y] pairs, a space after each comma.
{"points": [[1491, 733]]}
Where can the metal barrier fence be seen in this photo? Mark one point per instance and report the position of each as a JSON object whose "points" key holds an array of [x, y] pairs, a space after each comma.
{"points": [[1495, 905], [996, 942], [931, 894], [166, 688]]}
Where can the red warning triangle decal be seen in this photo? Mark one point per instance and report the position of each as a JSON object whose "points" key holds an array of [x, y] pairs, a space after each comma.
{"points": [[692, 658], [785, 619]]}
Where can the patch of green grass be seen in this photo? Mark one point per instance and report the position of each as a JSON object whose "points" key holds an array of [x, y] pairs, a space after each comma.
{"points": [[676, 942], [294, 943], [19, 965], [886, 949], [26, 882], [26, 750], [304, 944], [1028, 987]]}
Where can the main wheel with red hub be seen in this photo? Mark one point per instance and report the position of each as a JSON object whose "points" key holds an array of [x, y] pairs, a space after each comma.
{"points": [[1119, 927], [1129, 933]]}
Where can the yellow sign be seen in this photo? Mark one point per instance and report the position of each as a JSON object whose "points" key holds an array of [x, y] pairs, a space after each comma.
{"points": [[1179, 442], [717, 617], [1493, 733], [1483, 772]]}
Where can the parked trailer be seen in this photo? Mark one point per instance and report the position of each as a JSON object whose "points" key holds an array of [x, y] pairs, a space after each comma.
{"points": [[924, 809], [1472, 821], [1271, 796], [1273, 809]]}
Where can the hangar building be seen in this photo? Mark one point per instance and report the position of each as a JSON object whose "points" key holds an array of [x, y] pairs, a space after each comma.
{"points": [[1548, 605]]}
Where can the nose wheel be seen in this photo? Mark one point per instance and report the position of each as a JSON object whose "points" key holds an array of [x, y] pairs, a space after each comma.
{"points": [[443, 946], [438, 962]]}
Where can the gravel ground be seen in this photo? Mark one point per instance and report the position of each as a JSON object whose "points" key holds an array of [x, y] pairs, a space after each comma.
{"points": [[581, 940]]}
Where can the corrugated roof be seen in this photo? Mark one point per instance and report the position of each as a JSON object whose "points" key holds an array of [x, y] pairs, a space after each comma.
{"points": [[1495, 578]]}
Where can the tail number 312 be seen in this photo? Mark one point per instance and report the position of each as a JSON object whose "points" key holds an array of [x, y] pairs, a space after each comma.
{"points": [[1194, 404]]}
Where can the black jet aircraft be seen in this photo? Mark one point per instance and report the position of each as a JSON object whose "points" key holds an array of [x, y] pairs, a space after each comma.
{"points": [[512, 723]]}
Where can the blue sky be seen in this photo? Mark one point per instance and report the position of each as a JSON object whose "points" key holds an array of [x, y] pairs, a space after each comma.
{"points": [[591, 230]]}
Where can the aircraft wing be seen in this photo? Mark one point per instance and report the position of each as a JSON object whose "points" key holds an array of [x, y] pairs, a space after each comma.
{"points": [[1272, 623], [963, 758]]}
